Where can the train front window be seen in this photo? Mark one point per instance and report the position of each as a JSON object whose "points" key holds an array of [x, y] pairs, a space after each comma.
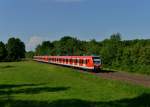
{"points": [[97, 60]]}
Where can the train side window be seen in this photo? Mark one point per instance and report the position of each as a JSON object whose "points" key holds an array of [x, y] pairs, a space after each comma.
{"points": [[71, 60], [66, 60], [75, 60], [85, 61], [81, 61], [78, 61]]}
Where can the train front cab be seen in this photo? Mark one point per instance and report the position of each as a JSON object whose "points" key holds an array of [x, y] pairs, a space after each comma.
{"points": [[97, 63]]}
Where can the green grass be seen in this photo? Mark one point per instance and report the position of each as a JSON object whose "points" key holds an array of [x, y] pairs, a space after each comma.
{"points": [[136, 69], [32, 84]]}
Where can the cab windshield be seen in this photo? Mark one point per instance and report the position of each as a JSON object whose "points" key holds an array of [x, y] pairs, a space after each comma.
{"points": [[96, 60]]}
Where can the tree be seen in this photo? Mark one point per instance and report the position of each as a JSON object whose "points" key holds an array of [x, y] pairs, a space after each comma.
{"points": [[45, 48], [93, 47], [111, 49], [3, 51], [144, 57], [16, 49], [116, 37], [69, 46], [29, 54]]}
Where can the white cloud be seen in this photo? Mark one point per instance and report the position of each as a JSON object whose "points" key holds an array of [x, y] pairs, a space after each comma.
{"points": [[33, 42]]}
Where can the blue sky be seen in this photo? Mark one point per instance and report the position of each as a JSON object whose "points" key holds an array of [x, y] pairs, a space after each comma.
{"points": [[36, 20]]}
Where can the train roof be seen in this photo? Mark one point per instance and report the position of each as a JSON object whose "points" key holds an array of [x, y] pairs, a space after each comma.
{"points": [[69, 56]]}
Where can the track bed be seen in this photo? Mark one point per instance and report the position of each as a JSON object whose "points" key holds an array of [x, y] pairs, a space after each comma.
{"points": [[125, 76]]}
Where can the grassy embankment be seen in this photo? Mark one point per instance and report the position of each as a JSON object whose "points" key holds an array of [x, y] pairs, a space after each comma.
{"points": [[32, 84], [137, 69]]}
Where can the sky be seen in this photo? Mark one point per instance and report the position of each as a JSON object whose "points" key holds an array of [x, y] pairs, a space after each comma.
{"points": [[36, 20]]}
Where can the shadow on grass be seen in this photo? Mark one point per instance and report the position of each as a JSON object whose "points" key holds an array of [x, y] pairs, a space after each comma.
{"points": [[140, 101], [7, 66], [107, 71], [7, 86], [8, 89], [32, 90]]}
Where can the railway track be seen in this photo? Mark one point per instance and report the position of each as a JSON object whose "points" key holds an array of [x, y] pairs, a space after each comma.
{"points": [[124, 76]]}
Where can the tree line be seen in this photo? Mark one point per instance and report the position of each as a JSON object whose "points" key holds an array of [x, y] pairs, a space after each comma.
{"points": [[128, 55], [13, 50]]}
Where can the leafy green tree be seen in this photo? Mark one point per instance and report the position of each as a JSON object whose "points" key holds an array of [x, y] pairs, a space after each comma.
{"points": [[144, 57], [45, 48], [38, 50], [115, 37], [16, 49], [111, 49], [29, 54], [3, 51], [93, 47], [70, 46]]}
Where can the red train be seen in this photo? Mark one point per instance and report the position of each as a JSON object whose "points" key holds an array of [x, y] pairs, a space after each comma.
{"points": [[84, 62]]}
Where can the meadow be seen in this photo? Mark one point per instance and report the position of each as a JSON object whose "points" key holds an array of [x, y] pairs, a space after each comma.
{"points": [[33, 84]]}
